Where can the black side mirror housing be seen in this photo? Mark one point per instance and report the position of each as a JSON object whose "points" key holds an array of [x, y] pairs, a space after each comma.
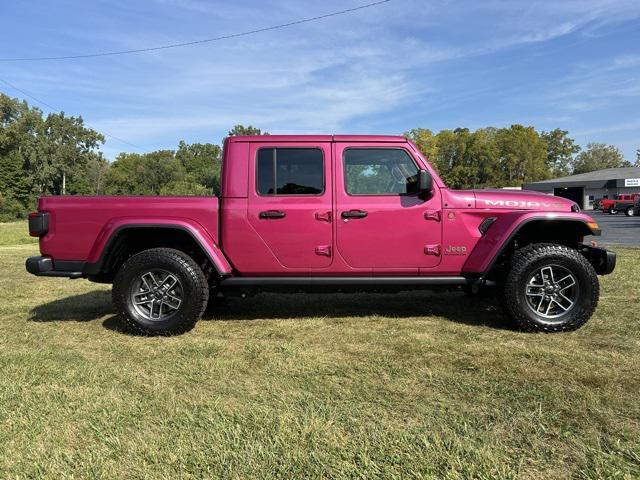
{"points": [[425, 183]]}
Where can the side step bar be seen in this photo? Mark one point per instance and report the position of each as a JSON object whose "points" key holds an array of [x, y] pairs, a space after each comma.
{"points": [[339, 281]]}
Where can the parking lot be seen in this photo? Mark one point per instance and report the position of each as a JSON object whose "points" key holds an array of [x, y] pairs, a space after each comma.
{"points": [[617, 229]]}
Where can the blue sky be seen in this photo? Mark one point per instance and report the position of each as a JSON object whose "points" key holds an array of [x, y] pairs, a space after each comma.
{"points": [[573, 64]]}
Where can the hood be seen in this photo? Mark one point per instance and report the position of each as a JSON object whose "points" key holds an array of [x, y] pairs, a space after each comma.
{"points": [[522, 200]]}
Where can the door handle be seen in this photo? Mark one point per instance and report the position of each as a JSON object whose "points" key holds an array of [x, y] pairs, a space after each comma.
{"points": [[324, 216], [272, 214], [354, 214]]}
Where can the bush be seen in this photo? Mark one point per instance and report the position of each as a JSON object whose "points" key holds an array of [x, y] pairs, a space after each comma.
{"points": [[185, 188], [11, 209]]}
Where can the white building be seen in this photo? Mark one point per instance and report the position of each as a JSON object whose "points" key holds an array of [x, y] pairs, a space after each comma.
{"points": [[584, 188]]}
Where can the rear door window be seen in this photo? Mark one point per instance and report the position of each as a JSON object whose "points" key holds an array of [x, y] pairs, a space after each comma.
{"points": [[290, 171]]}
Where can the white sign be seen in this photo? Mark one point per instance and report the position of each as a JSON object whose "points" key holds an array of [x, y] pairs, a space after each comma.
{"points": [[632, 182]]}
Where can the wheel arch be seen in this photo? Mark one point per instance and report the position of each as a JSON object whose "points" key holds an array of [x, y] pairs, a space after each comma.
{"points": [[121, 239], [508, 234]]}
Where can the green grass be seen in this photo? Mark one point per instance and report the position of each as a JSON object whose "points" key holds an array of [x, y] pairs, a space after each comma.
{"points": [[15, 233], [412, 385]]}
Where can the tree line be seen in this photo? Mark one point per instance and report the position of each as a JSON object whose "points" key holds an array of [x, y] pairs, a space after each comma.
{"points": [[506, 157], [58, 154]]}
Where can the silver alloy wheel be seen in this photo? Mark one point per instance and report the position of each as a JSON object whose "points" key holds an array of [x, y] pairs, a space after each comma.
{"points": [[551, 292], [156, 295]]}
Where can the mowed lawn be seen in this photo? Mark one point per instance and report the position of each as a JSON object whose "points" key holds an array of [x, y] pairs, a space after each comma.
{"points": [[411, 385]]}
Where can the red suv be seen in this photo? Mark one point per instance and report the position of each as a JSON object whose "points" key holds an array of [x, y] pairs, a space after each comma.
{"points": [[620, 203]]}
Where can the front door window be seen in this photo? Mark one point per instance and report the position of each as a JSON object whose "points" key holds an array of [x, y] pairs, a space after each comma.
{"points": [[379, 171]]}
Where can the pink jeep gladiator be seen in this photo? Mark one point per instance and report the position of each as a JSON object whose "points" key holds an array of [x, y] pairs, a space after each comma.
{"points": [[329, 213]]}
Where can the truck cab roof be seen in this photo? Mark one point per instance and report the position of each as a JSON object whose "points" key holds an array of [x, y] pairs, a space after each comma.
{"points": [[318, 138]]}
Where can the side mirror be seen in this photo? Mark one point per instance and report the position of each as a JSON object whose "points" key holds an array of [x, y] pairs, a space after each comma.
{"points": [[425, 182]]}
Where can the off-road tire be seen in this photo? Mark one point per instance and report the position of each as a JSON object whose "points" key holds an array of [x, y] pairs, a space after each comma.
{"points": [[629, 212], [195, 291], [533, 257]]}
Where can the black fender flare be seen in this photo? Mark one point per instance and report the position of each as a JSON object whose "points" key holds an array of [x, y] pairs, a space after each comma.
{"points": [[502, 232], [209, 248]]}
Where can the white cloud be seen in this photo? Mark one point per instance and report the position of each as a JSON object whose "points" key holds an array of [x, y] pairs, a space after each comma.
{"points": [[326, 76], [620, 127]]}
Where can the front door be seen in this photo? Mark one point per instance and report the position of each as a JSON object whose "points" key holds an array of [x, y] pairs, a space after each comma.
{"points": [[379, 224], [290, 201]]}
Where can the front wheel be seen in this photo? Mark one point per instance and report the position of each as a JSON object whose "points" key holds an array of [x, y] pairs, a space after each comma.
{"points": [[160, 291], [613, 211], [550, 288]]}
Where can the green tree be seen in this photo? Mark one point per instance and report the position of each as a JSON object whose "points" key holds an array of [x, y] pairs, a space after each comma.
{"points": [[482, 152], [41, 155], [123, 173], [425, 140], [248, 130], [14, 186], [193, 169], [143, 174], [522, 155], [202, 162], [68, 147], [185, 187], [20, 148], [598, 156], [451, 156], [560, 151], [464, 159], [89, 178]]}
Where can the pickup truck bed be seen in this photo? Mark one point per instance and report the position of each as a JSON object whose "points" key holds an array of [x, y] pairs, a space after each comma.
{"points": [[86, 233], [80, 226]]}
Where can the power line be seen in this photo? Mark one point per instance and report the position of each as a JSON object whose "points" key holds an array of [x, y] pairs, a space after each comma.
{"points": [[197, 42], [42, 102]]}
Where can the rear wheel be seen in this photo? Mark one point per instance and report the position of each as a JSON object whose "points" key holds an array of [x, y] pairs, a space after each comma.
{"points": [[629, 212], [550, 288], [160, 291]]}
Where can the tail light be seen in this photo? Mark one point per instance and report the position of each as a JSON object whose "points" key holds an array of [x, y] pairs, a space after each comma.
{"points": [[38, 224]]}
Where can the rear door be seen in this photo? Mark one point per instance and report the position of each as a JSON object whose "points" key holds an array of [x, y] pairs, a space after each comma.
{"points": [[290, 202], [378, 224]]}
